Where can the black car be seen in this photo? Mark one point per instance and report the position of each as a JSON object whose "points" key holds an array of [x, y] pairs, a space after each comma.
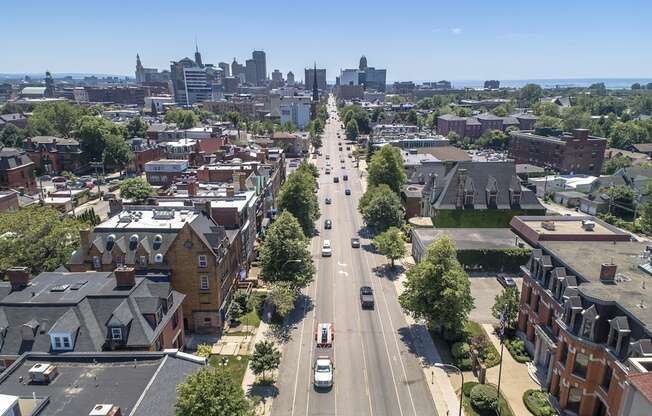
{"points": [[347, 192], [505, 280], [366, 297], [355, 242], [328, 224], [345, 177], [336, 179]]}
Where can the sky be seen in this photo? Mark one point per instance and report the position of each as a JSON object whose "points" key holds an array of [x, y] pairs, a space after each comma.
{"points": [[412, 39]]}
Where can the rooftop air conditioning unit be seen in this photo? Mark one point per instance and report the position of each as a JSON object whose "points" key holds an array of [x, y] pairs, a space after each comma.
{"points": [[548, 225], [42, 373], [588, 225]]}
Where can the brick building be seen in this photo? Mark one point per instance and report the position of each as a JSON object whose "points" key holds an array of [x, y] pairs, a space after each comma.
{"points": [[535, 230], [87, 312], [9, 201], [181, 242], [16, 170], [474, 127], [54, 155], [585, 313], [144, 151], [566, 153], [164, 172]]}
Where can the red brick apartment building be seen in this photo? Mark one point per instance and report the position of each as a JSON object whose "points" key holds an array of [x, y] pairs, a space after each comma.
{"points": [[587, 316], [16, 170], [566, 153], [54, 155]]}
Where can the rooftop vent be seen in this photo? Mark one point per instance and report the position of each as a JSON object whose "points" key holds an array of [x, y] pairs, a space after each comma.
{"points": [[105, 410], [158, 258], [548, 225], [608, 272], [42, 373], [588, 225]]}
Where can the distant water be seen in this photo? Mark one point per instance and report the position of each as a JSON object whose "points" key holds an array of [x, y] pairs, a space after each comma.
{"points": [[610, 83]]}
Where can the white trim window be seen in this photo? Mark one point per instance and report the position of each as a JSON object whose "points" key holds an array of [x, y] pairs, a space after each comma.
{"points": [[116, 334], [203, 282], [203, 261]]}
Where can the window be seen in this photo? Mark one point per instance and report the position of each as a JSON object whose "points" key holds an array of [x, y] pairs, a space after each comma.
{"points": [[159, 314], [606, 379], [143, 260], [564, 354], [96, 262], [574, 399], [116, 334], [175, 320], [551, 317], [66, 342], [587, 328], [529, 295], [580, 365], [203, 263], [57, 343], [203, 282], [516, 199], [468, 198]]}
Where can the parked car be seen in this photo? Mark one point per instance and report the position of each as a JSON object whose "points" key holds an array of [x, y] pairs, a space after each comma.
{"points": [[505, 280], [355, 242], [59, 179], [46, 178], [366, 297]]}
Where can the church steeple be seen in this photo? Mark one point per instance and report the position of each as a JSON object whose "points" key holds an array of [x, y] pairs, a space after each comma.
{"points": [[138, 63], [315, 90], [197, 55]]}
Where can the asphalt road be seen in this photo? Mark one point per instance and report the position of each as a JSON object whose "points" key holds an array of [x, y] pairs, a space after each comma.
{"points": [[375, 371]]}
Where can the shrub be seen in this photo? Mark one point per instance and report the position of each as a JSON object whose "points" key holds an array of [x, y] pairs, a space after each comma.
{"points": [[463, 363], [460, 350], [484, 397], [467, 387], [454, 335], [537, 403], [516, 347]]}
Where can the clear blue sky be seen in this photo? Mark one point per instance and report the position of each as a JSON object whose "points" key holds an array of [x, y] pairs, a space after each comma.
{"points": [[419, 40]]}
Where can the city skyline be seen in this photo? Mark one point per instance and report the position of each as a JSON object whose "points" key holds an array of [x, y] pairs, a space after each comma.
{"points": [[457, 47]]}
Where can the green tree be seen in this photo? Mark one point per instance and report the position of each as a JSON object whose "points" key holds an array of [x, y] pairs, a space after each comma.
{"points": [[352, 131], [204, 350], [59, 118], [136, 127], [545, 121], [598, 88], [391, 244], [575, 118], [386, 167], [92, 133], [381, 208], [37, 237], [117, 153], [610, 166], [453, 137], [636, 86], [437, 289], [184, 119], [11, 108], [508, 300], [546, 109], [289, 127], [297, 197], [211, 392], [284, 256], [12, 136], [282, 297], [494, 139], [136, 189], [235, 118], [266, 357], [623, 134], [531, 94]]}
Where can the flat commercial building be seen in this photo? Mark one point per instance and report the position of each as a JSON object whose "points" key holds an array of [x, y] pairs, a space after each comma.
{"points": [[566, 153], [538, 229]]}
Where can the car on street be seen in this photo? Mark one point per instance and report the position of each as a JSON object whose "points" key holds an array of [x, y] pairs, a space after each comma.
{"points": [[325, 335], [328, 201], [366, 297], [328, 157], [327, 171], [347, 191], [336, 179], [348, 147], [328, 224], [355, 242], [505, 280], [345, 177], [323, 372], [326, 248]]}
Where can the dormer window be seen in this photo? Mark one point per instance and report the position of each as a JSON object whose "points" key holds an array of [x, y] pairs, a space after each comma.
{"points": [[158, 240], [590, 316], [618, 333], [133, 242], [468, 198], [96, 262], [116, 334], [493, 198], [110, 241], [61, 342], [515, 198]]}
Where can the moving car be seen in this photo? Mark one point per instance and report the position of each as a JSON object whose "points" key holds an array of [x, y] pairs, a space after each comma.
{"points": [[505, 280], [328, 201], [328, 157], [348, 147], [336, 179], [366, 297], [355, 242], [347, 191], [327, 171], [324, 335], [345, 177], [328, 224], [326, 249], [323, 372]]}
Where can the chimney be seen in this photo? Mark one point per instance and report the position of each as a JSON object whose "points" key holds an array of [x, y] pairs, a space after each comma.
{"points": [[84, 240], [608, 272], [581, 134], [125, 277], [115, 207], [193, 186], [230, 191], [18, 277]]}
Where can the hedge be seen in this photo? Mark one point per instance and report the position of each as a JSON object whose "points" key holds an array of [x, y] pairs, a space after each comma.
{"points": [[537, 403], [494, 260], [472, 218], [484, 397], [516, 347]]}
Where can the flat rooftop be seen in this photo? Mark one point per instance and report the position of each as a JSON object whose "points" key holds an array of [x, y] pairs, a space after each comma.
{"points": [[629, 291], [568, 225], [472, 238], [143, 383], [147, 218]]}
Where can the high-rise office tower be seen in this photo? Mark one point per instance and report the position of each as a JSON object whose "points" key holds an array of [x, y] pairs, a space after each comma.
{"points": [[251, 72], [238, 70], [261, 67], [225, 69], [290, 78], [309, 78], [190, 82]]}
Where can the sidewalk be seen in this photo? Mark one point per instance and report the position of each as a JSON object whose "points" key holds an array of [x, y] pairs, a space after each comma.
{"points": [[265, 392], [515, 377], [443, 393]]}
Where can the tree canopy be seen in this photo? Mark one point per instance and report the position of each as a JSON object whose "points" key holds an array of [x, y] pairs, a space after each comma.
{"points": [[266, 357], [211, 392], [508, 300], [136, 127], [352, 130], [386, 167], [137, 189], [92, 133], [610, 166], [117, 153], [297, 197], [391, 244], [437, 289], [381, 208], [184, 119], [284, 256]]}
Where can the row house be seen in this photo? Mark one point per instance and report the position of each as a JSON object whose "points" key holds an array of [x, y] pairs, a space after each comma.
{"points": [[586, 316], [16, 170], [181, 242], [87, 312], [476, 126], [53, 155]]}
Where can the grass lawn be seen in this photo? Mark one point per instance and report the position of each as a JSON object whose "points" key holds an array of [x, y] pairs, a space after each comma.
{"points": [[234, 366], [251, 318]]}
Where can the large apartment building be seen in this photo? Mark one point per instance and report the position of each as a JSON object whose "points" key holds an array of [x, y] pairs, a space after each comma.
{"points": [[587, 316], [566, 153], [476, 126]]}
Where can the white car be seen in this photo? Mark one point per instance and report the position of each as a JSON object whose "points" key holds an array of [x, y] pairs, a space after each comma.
{"points": [[326, 249], [323, 372]]}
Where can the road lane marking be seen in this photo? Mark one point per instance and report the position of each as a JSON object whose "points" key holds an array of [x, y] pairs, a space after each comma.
{"points": [[343, 272]]}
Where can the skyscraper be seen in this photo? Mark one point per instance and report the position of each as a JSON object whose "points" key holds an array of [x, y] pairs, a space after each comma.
{"points": [[363, 63], [140, 71], [190, 82], [251, 72], [261, 66], [309, 78], [225, 69], [290, 78], [198, 56], [238, 70]]}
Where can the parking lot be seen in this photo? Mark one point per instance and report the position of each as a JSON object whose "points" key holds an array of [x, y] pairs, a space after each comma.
{"points": [[484, 290]]}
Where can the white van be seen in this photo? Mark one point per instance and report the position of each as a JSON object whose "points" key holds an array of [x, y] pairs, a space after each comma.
{"points": [[326, 249]]}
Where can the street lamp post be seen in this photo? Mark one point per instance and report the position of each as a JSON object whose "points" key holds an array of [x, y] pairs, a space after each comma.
{"points": [[444, 366]]}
